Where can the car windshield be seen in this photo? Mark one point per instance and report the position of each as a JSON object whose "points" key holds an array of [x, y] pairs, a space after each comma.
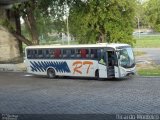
{"points": [[127, 58]]}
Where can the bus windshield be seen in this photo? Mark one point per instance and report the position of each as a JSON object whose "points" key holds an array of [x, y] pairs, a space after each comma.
{"points": [[126, 57]]}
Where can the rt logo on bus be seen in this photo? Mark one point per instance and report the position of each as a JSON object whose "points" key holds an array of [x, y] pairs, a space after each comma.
{"points": [[78, 66]]}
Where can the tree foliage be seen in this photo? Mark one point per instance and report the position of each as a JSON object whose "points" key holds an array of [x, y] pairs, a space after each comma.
{"points": [[89, 20], [102, 20], [153, 13]]}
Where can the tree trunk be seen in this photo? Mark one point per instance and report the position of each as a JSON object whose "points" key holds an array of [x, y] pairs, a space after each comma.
{"points": [[102, 34], [108, 37], [22, 38], [18, 30], [101, 38], [31, 23]]}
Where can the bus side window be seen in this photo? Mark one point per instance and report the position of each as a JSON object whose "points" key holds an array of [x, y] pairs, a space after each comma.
{"points": [[67, 53], [99, 54], [64, 53], [57, 53], [72, 53], [40, 53], [35, 54], [51, 53], [29, 54], [94, 54], [87, 53], [46, 53], [83, 53], [78, 53]]}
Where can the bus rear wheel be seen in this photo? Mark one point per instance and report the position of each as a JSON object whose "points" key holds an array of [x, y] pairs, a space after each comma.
{"points": [[97, 74], [51, 73]]}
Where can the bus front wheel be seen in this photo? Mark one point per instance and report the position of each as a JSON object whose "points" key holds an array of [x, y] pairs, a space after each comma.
{"points": [[51, 73]]}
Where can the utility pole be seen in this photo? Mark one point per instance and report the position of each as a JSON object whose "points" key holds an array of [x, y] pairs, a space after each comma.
{"points": [[68, 36], [138, 26]]}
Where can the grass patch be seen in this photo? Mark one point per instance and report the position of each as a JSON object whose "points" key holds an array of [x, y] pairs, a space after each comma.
{"points": [[155, 71], [148, 70], [148, 42]]}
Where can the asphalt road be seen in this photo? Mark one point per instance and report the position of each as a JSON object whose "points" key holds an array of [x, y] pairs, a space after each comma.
{"points": [[21, 93]]}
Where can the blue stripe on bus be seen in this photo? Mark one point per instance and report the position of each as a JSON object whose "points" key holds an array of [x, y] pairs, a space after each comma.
{"points": [[41, 66]]}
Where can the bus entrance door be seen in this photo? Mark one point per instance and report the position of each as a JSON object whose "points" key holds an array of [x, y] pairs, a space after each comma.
{"points": [[110, 64]]}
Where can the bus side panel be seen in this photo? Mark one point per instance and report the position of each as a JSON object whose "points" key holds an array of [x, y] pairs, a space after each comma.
{"points": [[34, 67], [40, 67], [85, 68], [82, 68]]}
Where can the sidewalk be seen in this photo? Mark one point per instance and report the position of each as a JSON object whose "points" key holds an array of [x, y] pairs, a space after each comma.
{"points": [[12, 67]]}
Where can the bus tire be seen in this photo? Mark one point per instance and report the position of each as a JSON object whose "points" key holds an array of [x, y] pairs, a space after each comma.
{"points": [[97, 74], [51, 73]]}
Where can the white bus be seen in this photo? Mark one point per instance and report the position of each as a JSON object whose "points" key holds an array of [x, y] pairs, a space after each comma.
{"points": [[100, 60]]}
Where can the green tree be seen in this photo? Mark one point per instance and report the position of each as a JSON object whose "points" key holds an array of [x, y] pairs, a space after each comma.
{"points": [[102, 21], [153, 13]]}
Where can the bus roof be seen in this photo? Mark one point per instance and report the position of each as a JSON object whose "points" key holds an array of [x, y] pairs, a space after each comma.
{"points": [[112, 45]]}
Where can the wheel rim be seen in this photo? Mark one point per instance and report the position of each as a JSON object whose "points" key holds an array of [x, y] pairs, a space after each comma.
{"points": [[51, 73]]}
